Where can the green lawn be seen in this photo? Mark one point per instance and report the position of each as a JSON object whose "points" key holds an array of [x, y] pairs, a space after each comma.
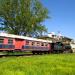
{"points": [[53, 64]]}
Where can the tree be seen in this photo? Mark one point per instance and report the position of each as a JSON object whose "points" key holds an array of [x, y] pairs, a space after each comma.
{"points": [[23, 17]]}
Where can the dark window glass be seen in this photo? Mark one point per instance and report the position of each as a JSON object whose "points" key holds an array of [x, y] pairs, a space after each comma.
{"points": [[27, 42], [38, 43], [42, 44], [46, 44], [33, 43], [1, 40], [10, 41]]}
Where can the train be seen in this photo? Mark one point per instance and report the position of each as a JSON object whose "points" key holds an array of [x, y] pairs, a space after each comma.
{"points": [[13, 43]]}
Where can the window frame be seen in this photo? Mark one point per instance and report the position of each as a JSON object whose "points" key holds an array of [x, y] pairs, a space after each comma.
{"points": [[42, 43], [10, 41], [1, 40]]}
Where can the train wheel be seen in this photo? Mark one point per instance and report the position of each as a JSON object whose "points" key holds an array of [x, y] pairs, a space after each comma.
{"points": [[67, 51], [44, 52], [49, 52], [40, 53], [33, 52]]}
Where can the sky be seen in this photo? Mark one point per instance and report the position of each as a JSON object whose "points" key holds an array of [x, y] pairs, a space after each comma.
{"points": [[62, 13]]}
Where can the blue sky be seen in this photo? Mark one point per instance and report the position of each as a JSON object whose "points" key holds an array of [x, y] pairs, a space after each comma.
{"points": [[62, 14]]}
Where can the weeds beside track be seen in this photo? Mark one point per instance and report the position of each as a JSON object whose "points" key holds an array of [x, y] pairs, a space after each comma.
{"points": [[54, 64]]}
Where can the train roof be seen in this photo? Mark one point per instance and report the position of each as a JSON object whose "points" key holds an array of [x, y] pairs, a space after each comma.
{"points": [[22, 37]]}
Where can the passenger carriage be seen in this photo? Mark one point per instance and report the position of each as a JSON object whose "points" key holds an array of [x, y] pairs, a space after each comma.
{"points": [[10, 42]]}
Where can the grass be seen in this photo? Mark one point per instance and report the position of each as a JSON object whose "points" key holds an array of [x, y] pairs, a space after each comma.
{"points": [[53, 64]]}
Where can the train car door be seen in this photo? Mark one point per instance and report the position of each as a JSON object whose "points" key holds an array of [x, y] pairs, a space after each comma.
{"points": [[19, 43]]}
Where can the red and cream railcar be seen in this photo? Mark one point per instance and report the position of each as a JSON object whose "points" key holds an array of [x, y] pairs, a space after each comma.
{"points": [[10, 42]]}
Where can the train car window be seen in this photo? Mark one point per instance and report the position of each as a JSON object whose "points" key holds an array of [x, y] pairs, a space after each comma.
{"points": [[10, 41], [42, 44], [27, 42], [33, 43], [1, 40], [46, 44], [38, 44], [67, 47], [59, 43]]}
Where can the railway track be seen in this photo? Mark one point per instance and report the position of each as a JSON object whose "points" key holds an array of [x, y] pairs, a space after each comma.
{"points": [[27, 55], [15, 55]]}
